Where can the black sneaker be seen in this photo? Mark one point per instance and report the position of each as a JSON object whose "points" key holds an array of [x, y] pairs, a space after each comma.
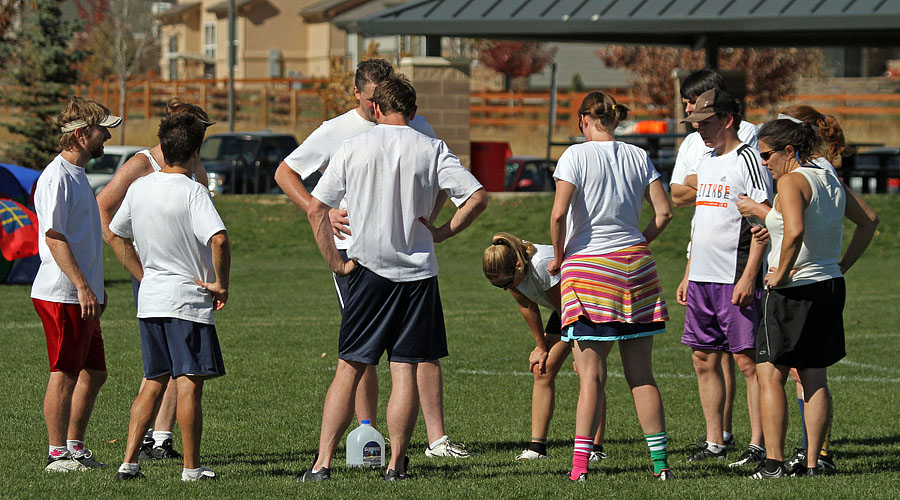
{"points": [[797, 460], [164, 451], [664, 475], [308, 476], [753, 456], [393, 475], [703, 452], [826, 464], [729, 443], [126, 476], [146, 451], [762, 473]]}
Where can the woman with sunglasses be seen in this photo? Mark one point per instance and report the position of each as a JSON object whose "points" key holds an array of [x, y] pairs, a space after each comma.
{"points": [[830, 151], [519, 266], [802, 321], [610, 289]]}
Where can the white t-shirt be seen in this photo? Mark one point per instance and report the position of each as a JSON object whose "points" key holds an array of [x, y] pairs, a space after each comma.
{"points": [[692, 149], [823, 229], [171, 219], [720, 237], [65, 203], [391, 176], [153, 163], [538, 279], [316, 151], [611, 180]]}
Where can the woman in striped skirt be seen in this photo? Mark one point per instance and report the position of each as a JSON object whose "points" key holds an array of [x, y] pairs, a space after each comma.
{"points": [[610, 288]]}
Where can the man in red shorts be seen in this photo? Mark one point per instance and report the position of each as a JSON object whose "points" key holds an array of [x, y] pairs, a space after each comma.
{"points": [[68, 290]]}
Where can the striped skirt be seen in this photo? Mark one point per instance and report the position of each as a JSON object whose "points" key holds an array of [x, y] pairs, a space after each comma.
{"points": [[620, 286]]}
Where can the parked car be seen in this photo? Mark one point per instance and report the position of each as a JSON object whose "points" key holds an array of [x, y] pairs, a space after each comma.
{"points": [[876, 170], [100, 170], [529, 173], [245, 162]]}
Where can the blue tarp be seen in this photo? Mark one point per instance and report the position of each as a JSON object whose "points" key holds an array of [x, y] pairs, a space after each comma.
{"points": [[18, 183]]}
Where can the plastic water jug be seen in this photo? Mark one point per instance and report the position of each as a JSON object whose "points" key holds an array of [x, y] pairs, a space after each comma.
{"points": [[365, 446]]}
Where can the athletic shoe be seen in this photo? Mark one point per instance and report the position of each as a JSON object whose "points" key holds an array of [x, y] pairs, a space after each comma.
{"points": [[529, 455], [446, 448], [63, 463], [753, 456], [729, 443], [581, 478], [128, 474], [664, 475], [703, 452], [392, 475], [164, 451], [762, 473], [145, 453], [826, 464], [204, 474], [308, 476], [597, 456], [86, 458], [797, 460]]}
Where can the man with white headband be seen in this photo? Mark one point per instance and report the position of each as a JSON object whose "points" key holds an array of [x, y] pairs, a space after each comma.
{"points": [[68, 292]]}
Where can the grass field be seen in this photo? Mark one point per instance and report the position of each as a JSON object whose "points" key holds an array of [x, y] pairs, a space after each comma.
{"points": [[279, 336]]}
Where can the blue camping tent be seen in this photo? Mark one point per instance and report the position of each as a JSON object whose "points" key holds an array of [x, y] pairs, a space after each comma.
{"points": [[18, 183]]}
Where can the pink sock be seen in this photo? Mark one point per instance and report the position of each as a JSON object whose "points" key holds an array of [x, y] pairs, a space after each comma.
{"points": [[580, 456]]}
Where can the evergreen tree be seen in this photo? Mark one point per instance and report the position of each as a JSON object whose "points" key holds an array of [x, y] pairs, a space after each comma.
{"points": [[39, 76]]}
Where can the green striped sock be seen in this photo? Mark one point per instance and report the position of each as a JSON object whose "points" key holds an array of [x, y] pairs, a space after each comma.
{"points": [[658, 451]]}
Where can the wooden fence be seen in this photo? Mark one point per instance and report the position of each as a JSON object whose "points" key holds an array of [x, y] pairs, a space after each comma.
{"points": [[286, 102]]}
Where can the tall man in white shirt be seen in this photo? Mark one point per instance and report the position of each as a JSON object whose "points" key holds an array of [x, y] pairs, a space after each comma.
{"points": [[392, 177], [68, 292], [683, 187], [183, 270], [722, 285], [314, 156]]}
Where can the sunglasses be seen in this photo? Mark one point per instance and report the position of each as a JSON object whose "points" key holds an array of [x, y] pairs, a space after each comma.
{"points": [[505, 285], [765, 155]]}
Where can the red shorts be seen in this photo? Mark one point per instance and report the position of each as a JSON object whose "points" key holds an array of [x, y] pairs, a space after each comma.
{"points": [[72, 343]]}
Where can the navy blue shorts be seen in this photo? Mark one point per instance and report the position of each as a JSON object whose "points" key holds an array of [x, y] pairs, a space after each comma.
{"points": [[403, 318], [176, 347]]}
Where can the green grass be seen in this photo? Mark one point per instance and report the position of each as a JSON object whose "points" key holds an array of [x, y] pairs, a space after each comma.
{"points": [[279, 337]]}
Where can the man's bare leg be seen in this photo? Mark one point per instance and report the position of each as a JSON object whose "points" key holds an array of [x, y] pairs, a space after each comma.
{"points": [[403, 407], [190, 418], [338, 409], [145, 405], [367, 396]]}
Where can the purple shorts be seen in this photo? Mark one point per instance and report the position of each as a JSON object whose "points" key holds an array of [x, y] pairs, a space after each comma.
{"points": [[712, 322]]}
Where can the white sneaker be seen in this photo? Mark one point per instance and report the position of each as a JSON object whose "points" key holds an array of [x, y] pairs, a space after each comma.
{"points": [[597, 456], [63, 463], [530, 455], [446, 448], [86, 458], [203, 474]]}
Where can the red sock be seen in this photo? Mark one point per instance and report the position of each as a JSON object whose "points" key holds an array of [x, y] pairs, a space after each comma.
{"points": [[580, 456]]}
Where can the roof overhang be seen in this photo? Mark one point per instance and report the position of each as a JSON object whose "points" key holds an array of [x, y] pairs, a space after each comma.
{"points": [[667, 22], [327, 10], [176, 13], [241, 7]]}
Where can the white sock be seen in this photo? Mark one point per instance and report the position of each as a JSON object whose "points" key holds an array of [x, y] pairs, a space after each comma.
{"points": [[129, 468], [192, 472], [160, 436], [57, 451], [74, 446], [439, 441], [715, 448], [726, 436]]}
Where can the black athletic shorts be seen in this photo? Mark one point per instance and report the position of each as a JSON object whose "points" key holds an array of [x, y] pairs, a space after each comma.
{"points": [[803, 326], [403, 318]]}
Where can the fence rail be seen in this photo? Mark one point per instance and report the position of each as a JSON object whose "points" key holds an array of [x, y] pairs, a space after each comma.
{"points": [[292, 102]]}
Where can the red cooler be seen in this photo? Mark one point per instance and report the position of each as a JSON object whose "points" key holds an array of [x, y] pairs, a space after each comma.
{"points": [[489, 164]]}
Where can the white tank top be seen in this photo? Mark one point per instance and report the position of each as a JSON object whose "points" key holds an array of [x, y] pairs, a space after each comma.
{"points": [[537, 279], [823, 229], [153, 163]]}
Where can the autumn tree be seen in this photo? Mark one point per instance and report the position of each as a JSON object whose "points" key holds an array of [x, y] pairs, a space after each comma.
{"points": [[515, 58], [121, 42], [772, 74], [40, 72]]}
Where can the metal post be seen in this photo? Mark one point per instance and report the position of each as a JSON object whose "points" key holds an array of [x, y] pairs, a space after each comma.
{"points": [[231, 61], [551, 122], [712, 54], [432, 46]]}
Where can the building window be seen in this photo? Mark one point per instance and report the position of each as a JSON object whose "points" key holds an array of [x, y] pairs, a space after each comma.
{"points": [[209, 40], [173, 62], [173, 44]]}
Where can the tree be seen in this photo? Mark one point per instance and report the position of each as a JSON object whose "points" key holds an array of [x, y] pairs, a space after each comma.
{"points": [[10, 11], [772, 74], [515, 59], [40, 72], [121, 41]]}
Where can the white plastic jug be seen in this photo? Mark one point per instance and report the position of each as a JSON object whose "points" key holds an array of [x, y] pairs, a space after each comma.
{"points": [[365, 446]]}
